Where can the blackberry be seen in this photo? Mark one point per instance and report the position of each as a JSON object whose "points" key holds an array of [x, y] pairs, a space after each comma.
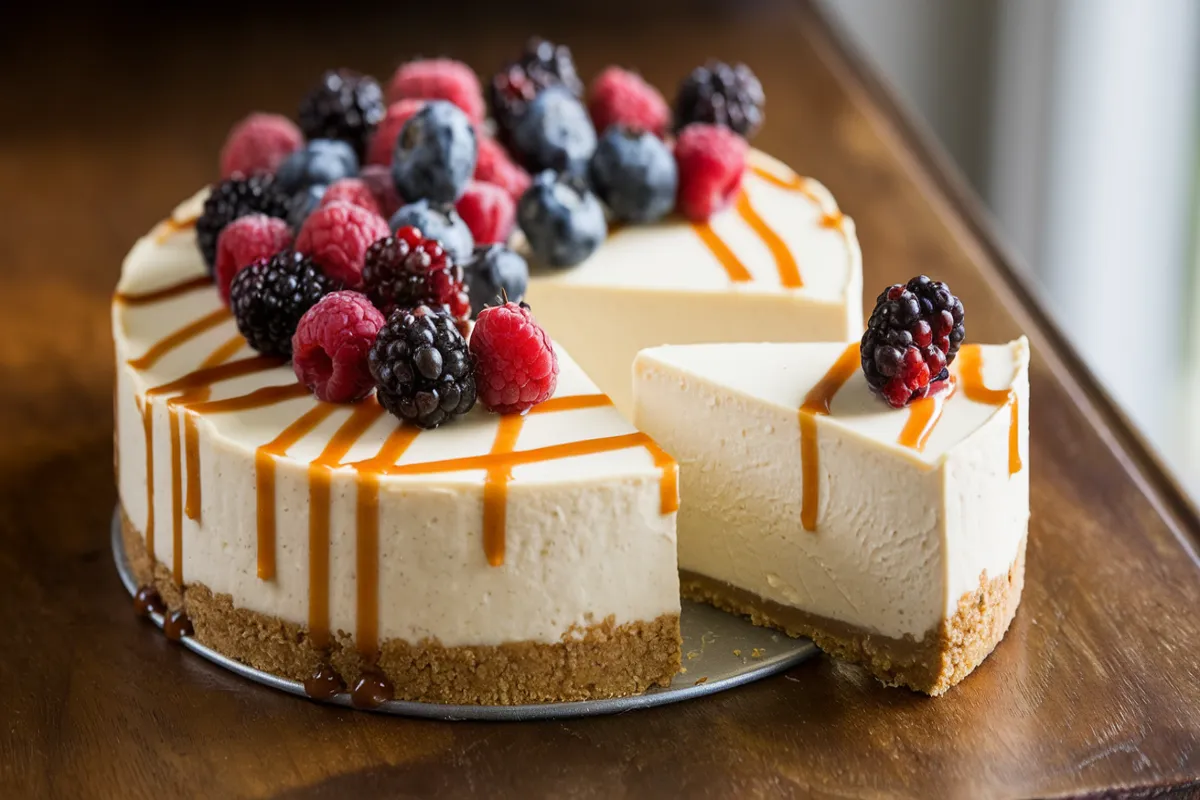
{"points": [[423, 371], [233, 198], [408, 269], [542, 65], [269, 297], [912, 338], [720, 94], [345, 105]]}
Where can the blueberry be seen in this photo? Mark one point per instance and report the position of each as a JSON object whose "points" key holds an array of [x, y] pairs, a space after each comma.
{"points": [[320, 161], [555, 133], [435, 154], [303, 203], [561, 218], [494, 273], [437, 221], [635, 175]]}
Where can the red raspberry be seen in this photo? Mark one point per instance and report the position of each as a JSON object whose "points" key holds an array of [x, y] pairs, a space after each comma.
{"points": [[618, 95], [494, 166], [407, 270], [337, 236], [489, 211], [353, 191], [711, 161], [383, 142], [330, 346], [439, 79], [244, 241], [515, 364], [259, 143], [378, 179]]}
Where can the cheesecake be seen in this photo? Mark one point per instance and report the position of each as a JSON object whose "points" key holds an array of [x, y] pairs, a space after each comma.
{"points": [[893, 537]]}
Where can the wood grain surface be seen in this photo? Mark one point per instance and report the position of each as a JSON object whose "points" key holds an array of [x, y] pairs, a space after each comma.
{"points": [[109, 118]]}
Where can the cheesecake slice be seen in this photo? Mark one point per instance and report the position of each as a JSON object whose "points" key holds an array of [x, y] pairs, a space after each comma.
{"points": [[892, 537], [782, 264]]}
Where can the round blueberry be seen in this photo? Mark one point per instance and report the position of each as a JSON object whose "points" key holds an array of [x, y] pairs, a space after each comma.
{"points": [[437, 221], [435, 154], [555, 132], [493, 274], [635, 175], [320, 161], [561, 218], [303, 203]]}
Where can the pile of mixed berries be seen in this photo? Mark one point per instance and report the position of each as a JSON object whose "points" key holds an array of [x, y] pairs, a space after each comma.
{"points": [[370, 242]]}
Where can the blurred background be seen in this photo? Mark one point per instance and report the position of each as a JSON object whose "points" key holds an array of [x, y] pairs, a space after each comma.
{"points": [[1076, 122]]}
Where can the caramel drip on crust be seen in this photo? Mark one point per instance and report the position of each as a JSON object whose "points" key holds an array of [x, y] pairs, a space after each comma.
{"points": [[727, 258], [785, 262], [165, 293], [572, 403], [923, 417], [495, 488], [816, 402], [179, 337], [970, 370]]}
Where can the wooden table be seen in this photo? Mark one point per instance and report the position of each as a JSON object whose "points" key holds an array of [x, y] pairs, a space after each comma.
{"points": [[109, 121]]}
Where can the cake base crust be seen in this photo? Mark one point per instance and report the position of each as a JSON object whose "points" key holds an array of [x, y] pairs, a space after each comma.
{"points": [[940, 659], [601, 661]]}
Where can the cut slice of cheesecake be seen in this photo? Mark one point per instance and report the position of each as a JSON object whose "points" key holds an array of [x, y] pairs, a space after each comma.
{"points": [[891, 537], [782, 264]]}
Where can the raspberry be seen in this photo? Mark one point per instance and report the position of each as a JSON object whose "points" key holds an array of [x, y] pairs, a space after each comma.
{"points": [[423, 371], [233, 198], [244, 241], [344, 105], [720, 94], [515, 364], [495, 166], [620, 96], [439, 79], [912, 338], [379, 180], [352, 191], [259, 143], [711, 161], [383, 141], [409, 270], [489, 212], [337, 236], [269, 297], [542, 65], [329, 349]]}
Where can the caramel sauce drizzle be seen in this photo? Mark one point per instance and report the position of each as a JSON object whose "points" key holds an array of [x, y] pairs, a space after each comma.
{"points": [[171, 226], [970, 371], [733, 265], [191, 436], [166, 293], [923, 417], [582, 447], [785, 262], [816, 402], [495, 488], [572, 403], [179, 337]]}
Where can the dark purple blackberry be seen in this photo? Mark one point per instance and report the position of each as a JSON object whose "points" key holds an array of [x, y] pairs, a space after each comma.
{"points": [[720, 94], [423, 371], [269, 297], [912, 338], [233, 198], [345, 105], [543, 64]]}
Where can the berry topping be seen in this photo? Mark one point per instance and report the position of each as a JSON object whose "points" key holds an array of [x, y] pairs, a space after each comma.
{"points": [[409, 270], [635, 175], [435, 153], [515, 364], [555, 133], [303, 203], [720, 94], [439, 79], [422, 369], [438, 221], [912, 338], [711, 161], [259, 143], [495, 166], [244, 241], [495, 274], [321, 161], [543, 64], [562, 219], [353, 191], [379, 180], [621, 96], [344, 105], [270, 296], [383, 142], [329, 349], [337, 236], [489, 211], [233, 198]]}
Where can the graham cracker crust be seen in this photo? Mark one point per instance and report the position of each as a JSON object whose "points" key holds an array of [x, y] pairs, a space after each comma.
{"points": [[601, 661], [939, 660]]}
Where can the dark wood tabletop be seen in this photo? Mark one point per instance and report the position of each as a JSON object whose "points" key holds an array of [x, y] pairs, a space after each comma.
{"points": [[108, 119]]}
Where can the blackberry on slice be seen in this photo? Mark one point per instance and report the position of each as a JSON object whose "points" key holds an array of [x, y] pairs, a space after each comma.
{"points": [[345, 105], [233, 198], [407, 270], [541, 65], [720, 94], [912, 338], [423, 372], [269, 297]]}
